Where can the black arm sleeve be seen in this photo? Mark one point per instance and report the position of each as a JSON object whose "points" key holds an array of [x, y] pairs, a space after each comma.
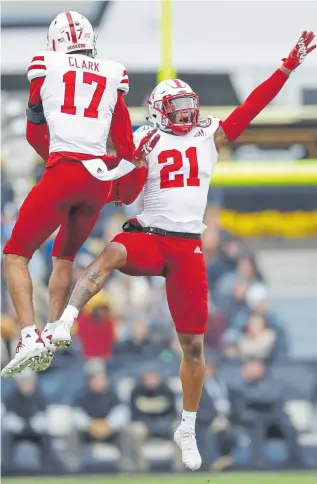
{"points": [[35, 113]]}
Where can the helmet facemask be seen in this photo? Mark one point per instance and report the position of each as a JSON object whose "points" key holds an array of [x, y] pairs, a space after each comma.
{"points": [[179, 112]]}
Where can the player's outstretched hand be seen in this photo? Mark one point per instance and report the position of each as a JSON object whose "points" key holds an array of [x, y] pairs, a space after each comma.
{"points": [[147, 144], [300, 51]]}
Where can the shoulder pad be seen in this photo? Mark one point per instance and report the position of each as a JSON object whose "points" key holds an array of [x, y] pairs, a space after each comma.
{"points": [[119, 73], [37, 67]]}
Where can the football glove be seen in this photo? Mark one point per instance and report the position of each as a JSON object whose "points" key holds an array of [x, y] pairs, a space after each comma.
{"points": [[300, 51], [147, 144]]}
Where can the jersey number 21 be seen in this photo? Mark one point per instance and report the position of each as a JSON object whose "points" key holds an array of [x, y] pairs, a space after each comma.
{"points": [[178, 180]]}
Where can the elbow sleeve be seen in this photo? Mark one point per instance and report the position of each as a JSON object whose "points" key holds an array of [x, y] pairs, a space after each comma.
{"points": [[35, 113]]}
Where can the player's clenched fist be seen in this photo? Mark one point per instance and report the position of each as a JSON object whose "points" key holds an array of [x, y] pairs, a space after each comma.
{"points": [[299, 52]]}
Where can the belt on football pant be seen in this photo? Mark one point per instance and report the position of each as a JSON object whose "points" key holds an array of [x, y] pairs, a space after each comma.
{"points": [[134, 226]]}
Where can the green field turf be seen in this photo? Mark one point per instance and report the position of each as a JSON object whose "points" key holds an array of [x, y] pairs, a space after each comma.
{"points": [[188, 478]]}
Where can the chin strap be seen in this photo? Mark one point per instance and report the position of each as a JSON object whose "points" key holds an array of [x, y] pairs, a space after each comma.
{"points": [[238, 121]]}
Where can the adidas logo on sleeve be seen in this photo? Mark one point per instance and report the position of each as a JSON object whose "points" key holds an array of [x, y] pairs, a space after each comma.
{"points": [[199, 133]]}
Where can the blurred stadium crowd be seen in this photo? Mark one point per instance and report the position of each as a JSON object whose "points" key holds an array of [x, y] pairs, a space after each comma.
{"points": [[111, 402]]}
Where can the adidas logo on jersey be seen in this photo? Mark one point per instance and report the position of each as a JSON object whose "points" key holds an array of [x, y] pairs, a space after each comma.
{"points": [[99, 170], [200, 133], [197, 250]]}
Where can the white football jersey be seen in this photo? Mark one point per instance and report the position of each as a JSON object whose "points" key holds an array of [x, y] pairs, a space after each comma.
{"points": [[79, 95], [179, 173]]}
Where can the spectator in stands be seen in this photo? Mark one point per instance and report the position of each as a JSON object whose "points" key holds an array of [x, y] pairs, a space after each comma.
{"points": [[113, 226], [153, 404], [215, 328], [83, 259], [211, 244], [259, 407], [9, 335], [215, 435], [4, 290], [221, 254], [5, 356], [25, 420], [138, 344], [39, 169], [171, 353], [96, 328], [257, 340], [158, 314], [129, 295], [100, 416], [213, 222], [231, 289], [314, 402], [6, 448], [7, 194], [8, 219], [257, 302]]}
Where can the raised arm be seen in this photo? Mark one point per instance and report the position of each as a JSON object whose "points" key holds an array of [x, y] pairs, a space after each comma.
{"points": [[237, 122]]}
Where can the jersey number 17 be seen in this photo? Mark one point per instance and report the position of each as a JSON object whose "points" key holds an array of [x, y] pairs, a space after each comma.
{"points": [[69, 79]]}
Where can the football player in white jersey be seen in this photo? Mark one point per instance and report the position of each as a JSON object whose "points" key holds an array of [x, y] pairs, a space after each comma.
{"points": [[75, 100], [165, 239]]}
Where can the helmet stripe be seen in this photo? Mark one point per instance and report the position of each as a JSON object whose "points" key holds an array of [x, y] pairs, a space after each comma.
{"points": [[178, 84], [71, 26]]}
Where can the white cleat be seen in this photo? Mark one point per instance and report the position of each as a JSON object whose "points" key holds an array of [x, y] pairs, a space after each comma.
{"points": [[29, 353], [61, 336], [51, 349], [186, 441]]}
